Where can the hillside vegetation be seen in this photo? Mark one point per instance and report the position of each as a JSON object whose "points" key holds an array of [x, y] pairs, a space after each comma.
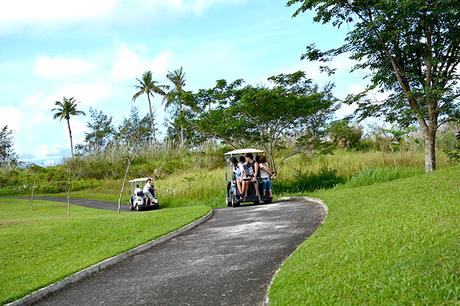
{"points": [[390, 243]]}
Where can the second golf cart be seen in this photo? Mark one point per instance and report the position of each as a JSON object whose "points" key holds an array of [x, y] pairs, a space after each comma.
{"points": [[141, 198], [253, 196]]}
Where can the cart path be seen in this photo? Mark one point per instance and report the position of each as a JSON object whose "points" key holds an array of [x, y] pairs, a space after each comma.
{"points": [[82, 202], [229, 260]]}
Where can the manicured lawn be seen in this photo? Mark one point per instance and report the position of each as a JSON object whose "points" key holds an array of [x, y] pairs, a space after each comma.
{"points": [[395, 243], [42, 244]]}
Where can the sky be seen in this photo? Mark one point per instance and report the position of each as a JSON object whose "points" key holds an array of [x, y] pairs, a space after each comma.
{"points": [[94, 51]]}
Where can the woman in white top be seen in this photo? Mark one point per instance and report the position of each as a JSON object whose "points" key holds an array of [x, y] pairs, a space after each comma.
{"points": [[265, 174]]}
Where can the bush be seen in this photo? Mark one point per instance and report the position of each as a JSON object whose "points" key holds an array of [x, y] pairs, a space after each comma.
{"points": [[371, 176], [308, 181]]}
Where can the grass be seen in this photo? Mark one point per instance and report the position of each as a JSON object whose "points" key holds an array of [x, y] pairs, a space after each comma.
{"points": [[198, 186], [41, 244], [348, 163], [394, 243]]}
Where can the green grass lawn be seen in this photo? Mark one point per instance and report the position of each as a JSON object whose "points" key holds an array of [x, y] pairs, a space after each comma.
{"points": [[395, 243], [41, 244]]}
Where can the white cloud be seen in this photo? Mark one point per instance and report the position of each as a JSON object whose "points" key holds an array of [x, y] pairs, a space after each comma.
{"points": [[130, 64], [11, 116], [59, 67], [20, 13]]}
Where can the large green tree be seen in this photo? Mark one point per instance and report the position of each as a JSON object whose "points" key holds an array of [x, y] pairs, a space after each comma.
{"points": [[173, 98], [7, 154], [148, 86], [412, 49], [64, 110], [247, 115], [100, 131]]}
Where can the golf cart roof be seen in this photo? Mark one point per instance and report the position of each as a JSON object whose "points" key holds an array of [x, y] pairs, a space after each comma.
{"points": [[138, 180], [243, 151]]}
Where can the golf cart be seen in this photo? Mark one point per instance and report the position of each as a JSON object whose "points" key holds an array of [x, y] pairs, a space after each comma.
{"points": [[139, 199], [232, 191]]}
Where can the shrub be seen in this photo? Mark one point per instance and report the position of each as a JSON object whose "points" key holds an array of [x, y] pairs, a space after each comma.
{"points": [[308, 181], [371, 176]]}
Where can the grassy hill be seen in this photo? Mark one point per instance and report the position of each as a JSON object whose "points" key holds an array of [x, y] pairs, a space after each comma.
{"points": [[392, 243]]}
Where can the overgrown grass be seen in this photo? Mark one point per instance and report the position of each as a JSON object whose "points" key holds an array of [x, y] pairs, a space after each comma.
{"points": [[348, 163], [197, 186], [394, 243], [41, 244]]}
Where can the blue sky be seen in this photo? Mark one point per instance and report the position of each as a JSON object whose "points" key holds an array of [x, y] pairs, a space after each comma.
{"points": [[94, 50]]}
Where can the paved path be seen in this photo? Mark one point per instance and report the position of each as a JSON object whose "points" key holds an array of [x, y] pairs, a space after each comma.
{"points": [[83, 202], [229, 260]]}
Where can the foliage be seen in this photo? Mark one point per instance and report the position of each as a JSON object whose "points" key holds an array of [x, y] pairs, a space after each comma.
{"points": [[411, 47], [64, 110], [343, 135], [370, 176], [243, 115], [100, 131], [134, 131], [7, 154], [37, 241], [174, 99], [148, 86], [305, 181], [391, 243]]}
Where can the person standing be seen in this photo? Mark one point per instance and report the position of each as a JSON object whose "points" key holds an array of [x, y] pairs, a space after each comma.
{"points": [[265, 174]]}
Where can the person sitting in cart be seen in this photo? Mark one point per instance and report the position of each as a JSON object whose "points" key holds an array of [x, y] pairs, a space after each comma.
{"points": [[137, 190], [253, 171], [238, 173]]}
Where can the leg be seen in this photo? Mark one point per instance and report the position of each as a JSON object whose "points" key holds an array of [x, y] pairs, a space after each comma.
{"points": [[264, 186], [245, 188], [269, 183], [238, 185]]}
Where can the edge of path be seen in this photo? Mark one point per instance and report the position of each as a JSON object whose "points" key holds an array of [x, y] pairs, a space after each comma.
{"points": [[97, 204], [45, 291], [307, 200]]}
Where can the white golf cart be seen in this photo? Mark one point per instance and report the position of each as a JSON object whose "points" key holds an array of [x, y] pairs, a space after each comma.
{"points": [[253, 196], [139, 199]]}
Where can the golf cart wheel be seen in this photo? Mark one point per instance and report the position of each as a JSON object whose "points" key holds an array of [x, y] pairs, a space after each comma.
{"points": [[228, 202], [131, 207], [137, 207], [235, 202], [256, 202], [268, 201]]}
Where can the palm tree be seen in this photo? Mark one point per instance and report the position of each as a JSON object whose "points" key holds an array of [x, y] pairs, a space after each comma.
{"points": [[149, 87], [64, 110], [177, 78]]}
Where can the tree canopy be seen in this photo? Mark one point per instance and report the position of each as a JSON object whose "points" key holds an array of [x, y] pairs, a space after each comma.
{"points": [[411, 47], [7, 154]]}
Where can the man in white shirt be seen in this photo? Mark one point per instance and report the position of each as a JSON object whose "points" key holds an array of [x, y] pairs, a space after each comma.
{"points": [[137, 190], [149, 191]]}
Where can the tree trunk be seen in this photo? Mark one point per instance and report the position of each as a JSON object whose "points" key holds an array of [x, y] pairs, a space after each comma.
{"points": [[152, 121], [123, 185], [70, 135], [181, 127], [430, 149]]}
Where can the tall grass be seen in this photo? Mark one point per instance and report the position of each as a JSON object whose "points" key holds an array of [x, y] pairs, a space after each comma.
{"points": [[348, 163]]}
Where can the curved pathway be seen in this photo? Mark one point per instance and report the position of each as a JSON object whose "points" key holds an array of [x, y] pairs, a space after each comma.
{"points": [[229, 260], [82, 202]]}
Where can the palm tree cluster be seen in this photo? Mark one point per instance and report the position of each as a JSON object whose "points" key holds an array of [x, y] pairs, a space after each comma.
{"points": [[146, 85]]}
